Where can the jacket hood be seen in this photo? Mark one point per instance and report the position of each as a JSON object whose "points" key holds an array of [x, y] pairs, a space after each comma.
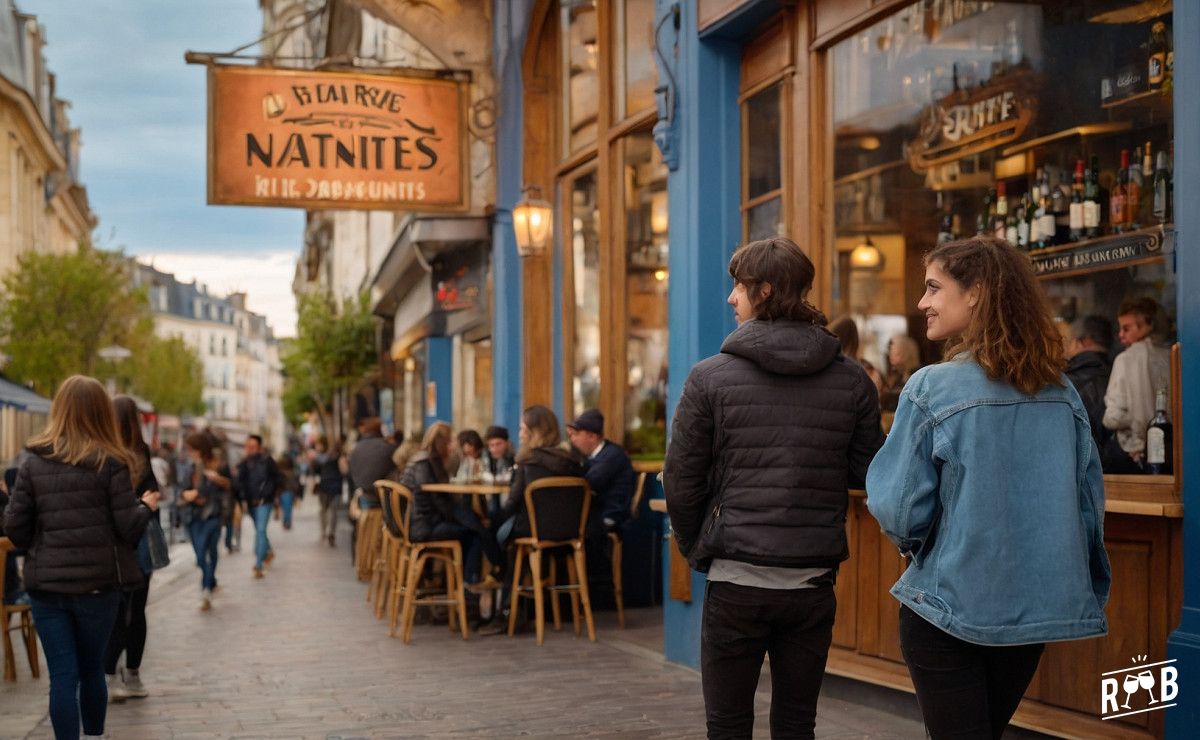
{"points": [[1089, 360], [783, 347], [554, 459]]}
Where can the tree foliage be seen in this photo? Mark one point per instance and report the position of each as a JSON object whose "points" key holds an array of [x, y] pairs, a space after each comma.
{"points": [[58, 310], [334, 348]]}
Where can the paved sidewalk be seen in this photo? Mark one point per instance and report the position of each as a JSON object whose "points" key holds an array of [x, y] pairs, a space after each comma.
{"points": [[299, 655]]}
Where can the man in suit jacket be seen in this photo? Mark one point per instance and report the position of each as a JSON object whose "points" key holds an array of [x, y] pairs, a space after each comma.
{"points": [[610, 474]]}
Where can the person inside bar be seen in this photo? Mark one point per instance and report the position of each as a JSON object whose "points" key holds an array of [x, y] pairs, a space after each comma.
{"points": [[903, 359], [1086, 347], [1141, 369], [846, 331]]}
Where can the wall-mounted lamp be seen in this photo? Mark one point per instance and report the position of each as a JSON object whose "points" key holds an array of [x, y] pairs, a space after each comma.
{"points": [[532, 219], [866, 256]]}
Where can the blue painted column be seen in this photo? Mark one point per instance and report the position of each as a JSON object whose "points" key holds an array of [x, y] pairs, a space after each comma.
{"points": [[1184, 643], [704, 190], [510, 26], [439, 369]]}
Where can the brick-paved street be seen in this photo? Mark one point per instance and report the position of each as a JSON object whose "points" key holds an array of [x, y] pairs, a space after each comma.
{"points": [[299, 654]]}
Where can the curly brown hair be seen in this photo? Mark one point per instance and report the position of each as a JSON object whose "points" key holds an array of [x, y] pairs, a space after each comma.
{"points": [[1011, 333], [780, 263]]}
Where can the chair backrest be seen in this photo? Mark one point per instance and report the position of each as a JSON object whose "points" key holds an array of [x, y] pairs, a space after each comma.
{"points": [[558, 507], [638, 492], [5, 545], [396, 501]]}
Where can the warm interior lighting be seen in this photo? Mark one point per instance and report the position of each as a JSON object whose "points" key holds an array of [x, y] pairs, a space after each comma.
{"points": [[659, 213], [866, 256], [660, 275], [532, 218]]}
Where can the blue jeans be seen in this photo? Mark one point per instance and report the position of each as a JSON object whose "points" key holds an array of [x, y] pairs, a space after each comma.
{"points": [[262, 546], [206, 537], [287, 500], [74, 630]]}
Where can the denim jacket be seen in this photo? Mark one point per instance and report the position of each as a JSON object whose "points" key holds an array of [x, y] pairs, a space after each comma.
{"points": [[998, 498]]}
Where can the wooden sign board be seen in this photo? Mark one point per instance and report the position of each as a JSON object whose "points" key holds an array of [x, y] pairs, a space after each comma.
{"points": [[308, 139], [968, 122]]}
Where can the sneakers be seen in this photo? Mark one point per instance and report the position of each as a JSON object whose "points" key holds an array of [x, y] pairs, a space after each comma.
{"points": [[258, 573], [117, 692], [267, 560], [206, 600], [133, 684]]}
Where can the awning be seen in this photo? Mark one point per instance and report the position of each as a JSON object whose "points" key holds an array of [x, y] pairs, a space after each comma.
{"points": [[21, 398]]}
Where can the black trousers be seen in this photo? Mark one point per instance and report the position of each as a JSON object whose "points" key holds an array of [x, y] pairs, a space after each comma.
{"points": [[965, 690], [741, 624], [129, 631]]}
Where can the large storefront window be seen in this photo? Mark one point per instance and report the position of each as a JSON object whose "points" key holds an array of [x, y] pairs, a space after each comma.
{"points": [[581, 81], [583, 272], [635, 76], [958, 118], [646, 249]]}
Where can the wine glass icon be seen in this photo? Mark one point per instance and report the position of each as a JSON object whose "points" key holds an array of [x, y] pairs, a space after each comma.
{"points": [[1146, 681], [1130, 685]]}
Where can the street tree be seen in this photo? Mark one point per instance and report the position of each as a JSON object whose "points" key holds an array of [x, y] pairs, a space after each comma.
{"points": [[333, 350], [167, 373], [58, 310]]}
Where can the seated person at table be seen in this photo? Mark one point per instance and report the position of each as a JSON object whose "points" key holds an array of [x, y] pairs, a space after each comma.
{"points": [[438, 516], [498, 459], [470, 467], [540, 456], [370, 460], [610, 474]]}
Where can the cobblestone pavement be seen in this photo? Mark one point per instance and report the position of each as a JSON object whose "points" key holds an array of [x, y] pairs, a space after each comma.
{"points": [[299, 655]]}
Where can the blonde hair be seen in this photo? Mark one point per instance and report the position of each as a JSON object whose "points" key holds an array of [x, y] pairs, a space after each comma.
{"points": [[543, 431], [437, 440], [82, 427]]}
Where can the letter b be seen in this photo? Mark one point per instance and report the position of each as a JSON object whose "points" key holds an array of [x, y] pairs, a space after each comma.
{"points": [[1170, 687], [1108, 693]]}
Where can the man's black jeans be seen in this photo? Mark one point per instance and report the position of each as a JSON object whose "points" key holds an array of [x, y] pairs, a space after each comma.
{"points": [[741, 624], [965, 690]]}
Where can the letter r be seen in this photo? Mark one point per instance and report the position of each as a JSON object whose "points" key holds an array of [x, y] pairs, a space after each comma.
{"points": [[1108, 692]]}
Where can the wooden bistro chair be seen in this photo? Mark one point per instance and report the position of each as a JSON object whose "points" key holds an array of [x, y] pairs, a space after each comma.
{"points": [[370, 528], [24, 623], [389, 551], [615, 538], [407, 563], [558, 511]]}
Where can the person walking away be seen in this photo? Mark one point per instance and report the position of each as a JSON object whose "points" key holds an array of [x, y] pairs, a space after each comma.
{"points": [[258, 480], [370, 460], [329, 465], [1138, 372], [991, 452], [767, 437], [291, 487], [1088, 369], [129, 631], [203, 501], [610, 474], [74, 509]]}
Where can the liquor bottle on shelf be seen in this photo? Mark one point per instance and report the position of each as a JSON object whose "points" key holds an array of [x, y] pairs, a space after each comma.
{"points": [[1162, 189], [998, 221], [1047, 228], [1135, 167], [1118, 200], [1146, 206], [980, 224], [1060, 204], [1024, 217], [1091, 201], [1159, 438], [989, 208], [945, 229], [1156, 65], [1012, 234], [1133, 195], [956, 231], [1076, 210]]}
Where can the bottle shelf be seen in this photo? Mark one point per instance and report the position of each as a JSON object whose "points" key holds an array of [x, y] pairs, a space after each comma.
{"points": [[1149, 100], [1110, 252], [1090, 129]]}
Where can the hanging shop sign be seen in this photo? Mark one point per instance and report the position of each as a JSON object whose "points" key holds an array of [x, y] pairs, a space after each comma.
{"points": [[968, 122], [306, 139]]}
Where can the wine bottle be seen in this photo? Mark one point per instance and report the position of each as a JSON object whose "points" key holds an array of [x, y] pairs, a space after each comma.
{"points": [[1091, 202], [1076, 210], [1159, 439], [1024, 216], [1162, 189], [1047, 229], [1118, 201], [1133, 193]]}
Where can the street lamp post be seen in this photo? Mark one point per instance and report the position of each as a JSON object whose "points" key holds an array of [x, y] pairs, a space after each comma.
{"points": [[113, 353]]}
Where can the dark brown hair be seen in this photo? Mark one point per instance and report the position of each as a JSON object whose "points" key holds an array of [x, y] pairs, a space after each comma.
{"points": [[471, 437], [1011, 333], [129, 426], [846, 331], [543, 431], [780, 263], [202, 443]]}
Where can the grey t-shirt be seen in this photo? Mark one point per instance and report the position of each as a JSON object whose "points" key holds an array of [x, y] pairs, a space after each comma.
{"points": [[763, 576]]}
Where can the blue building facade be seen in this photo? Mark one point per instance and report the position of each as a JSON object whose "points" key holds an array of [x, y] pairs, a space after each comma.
{"points": [[835, 123]]}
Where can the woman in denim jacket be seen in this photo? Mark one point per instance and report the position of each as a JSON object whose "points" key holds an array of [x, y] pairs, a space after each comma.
{"points": [[990, 482]]}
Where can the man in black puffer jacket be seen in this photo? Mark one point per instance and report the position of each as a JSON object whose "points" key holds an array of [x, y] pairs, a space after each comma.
{"points": [[766, 438]]}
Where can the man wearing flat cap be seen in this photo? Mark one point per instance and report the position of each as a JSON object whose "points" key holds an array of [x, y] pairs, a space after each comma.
{"points": [[610, 474]]}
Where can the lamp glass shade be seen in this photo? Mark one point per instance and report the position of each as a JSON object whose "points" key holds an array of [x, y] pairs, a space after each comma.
{"points": [[531, 221], [866, 256]]}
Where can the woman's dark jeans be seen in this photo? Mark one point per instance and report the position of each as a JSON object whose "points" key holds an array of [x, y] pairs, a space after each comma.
{"points": [[74, 630], [129, 630], [965, 690], [741, 625], [206, 539], [469, 530]]}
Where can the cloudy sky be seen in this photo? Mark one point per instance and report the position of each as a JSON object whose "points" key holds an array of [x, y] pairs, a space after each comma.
{"points": [[142, 113]]}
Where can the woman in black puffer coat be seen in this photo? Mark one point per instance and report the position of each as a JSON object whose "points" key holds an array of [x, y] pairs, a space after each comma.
{"points": [[73, 506]]}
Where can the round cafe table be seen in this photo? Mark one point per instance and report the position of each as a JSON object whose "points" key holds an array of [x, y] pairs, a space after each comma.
{"points": [[478, 491]]}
